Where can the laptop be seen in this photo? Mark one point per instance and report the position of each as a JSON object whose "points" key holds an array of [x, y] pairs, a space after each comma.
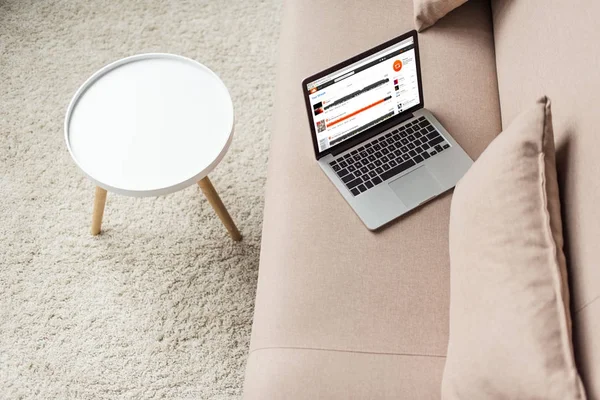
{"points": [[372, 136]]}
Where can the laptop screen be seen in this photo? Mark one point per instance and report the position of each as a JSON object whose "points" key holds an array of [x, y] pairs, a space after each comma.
{"points": [[364, 94]]}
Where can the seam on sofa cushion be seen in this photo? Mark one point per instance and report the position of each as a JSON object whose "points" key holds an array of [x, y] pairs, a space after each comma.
{"points": [[559, 283], [589, 303], [345, 351]]}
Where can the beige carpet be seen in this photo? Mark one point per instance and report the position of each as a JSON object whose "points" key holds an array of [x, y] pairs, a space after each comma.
{"points": [[160, 305]]}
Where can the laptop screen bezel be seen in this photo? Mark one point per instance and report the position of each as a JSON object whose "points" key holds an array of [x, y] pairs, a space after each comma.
{"points": [[379, 127]]}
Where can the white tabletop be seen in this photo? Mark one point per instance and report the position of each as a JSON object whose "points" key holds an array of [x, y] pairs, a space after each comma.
{"points": [[149, 124]]}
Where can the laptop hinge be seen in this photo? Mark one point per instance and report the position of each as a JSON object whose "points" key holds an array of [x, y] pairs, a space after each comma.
{"points": [[353, 142]]}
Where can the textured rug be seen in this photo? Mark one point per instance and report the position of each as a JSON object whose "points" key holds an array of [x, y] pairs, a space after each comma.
{"points": [[160, 305]]}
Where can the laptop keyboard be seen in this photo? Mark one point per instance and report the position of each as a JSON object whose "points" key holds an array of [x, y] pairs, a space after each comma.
{"points": [[387, 156]]}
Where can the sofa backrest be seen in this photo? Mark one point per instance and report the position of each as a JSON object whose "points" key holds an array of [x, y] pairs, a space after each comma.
{"points": [[552, 47]]}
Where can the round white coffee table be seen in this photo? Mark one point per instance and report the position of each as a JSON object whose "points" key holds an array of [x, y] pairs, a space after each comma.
{"points": [[148, 125]]}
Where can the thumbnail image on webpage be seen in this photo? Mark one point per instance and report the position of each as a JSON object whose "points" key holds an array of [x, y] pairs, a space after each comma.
{"points": [[348, 102]]}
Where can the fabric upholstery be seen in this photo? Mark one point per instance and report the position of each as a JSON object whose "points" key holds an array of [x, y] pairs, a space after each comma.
{"points": [[325, 281], [510, 334], [428, 12], [551, 47], [310, 374], [587, 325]]}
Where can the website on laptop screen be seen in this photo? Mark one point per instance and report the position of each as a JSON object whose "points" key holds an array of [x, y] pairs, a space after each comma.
{"points": [[364, 94]]}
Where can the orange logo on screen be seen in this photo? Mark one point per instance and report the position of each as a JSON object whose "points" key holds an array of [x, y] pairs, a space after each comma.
{"points": [[397, 65]]}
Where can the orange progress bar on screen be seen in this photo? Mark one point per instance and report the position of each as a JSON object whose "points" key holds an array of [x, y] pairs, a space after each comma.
{"points": [[345, 117]]}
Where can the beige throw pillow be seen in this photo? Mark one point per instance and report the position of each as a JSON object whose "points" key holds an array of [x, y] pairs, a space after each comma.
{"points": [[510, 333], [427, 12]]}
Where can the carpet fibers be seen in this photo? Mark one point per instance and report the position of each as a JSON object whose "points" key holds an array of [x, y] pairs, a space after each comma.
{"points": [[160, 305]]}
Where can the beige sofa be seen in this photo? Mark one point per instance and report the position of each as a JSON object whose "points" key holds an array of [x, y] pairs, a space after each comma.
{"points": [[344, 313]]}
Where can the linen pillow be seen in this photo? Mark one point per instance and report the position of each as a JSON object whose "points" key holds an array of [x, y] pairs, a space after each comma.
{"points": [[428, 12], [510, 329]]}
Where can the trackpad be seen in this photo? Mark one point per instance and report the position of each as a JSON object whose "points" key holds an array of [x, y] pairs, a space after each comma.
{"points": [[416, 187]]}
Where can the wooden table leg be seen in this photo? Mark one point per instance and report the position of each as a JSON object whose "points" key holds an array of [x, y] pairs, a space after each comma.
{"points": [[99, 203], [216, 203]]}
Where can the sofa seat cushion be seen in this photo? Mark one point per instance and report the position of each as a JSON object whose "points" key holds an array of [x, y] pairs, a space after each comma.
{"points": [[324, 374], [325, 281]]}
